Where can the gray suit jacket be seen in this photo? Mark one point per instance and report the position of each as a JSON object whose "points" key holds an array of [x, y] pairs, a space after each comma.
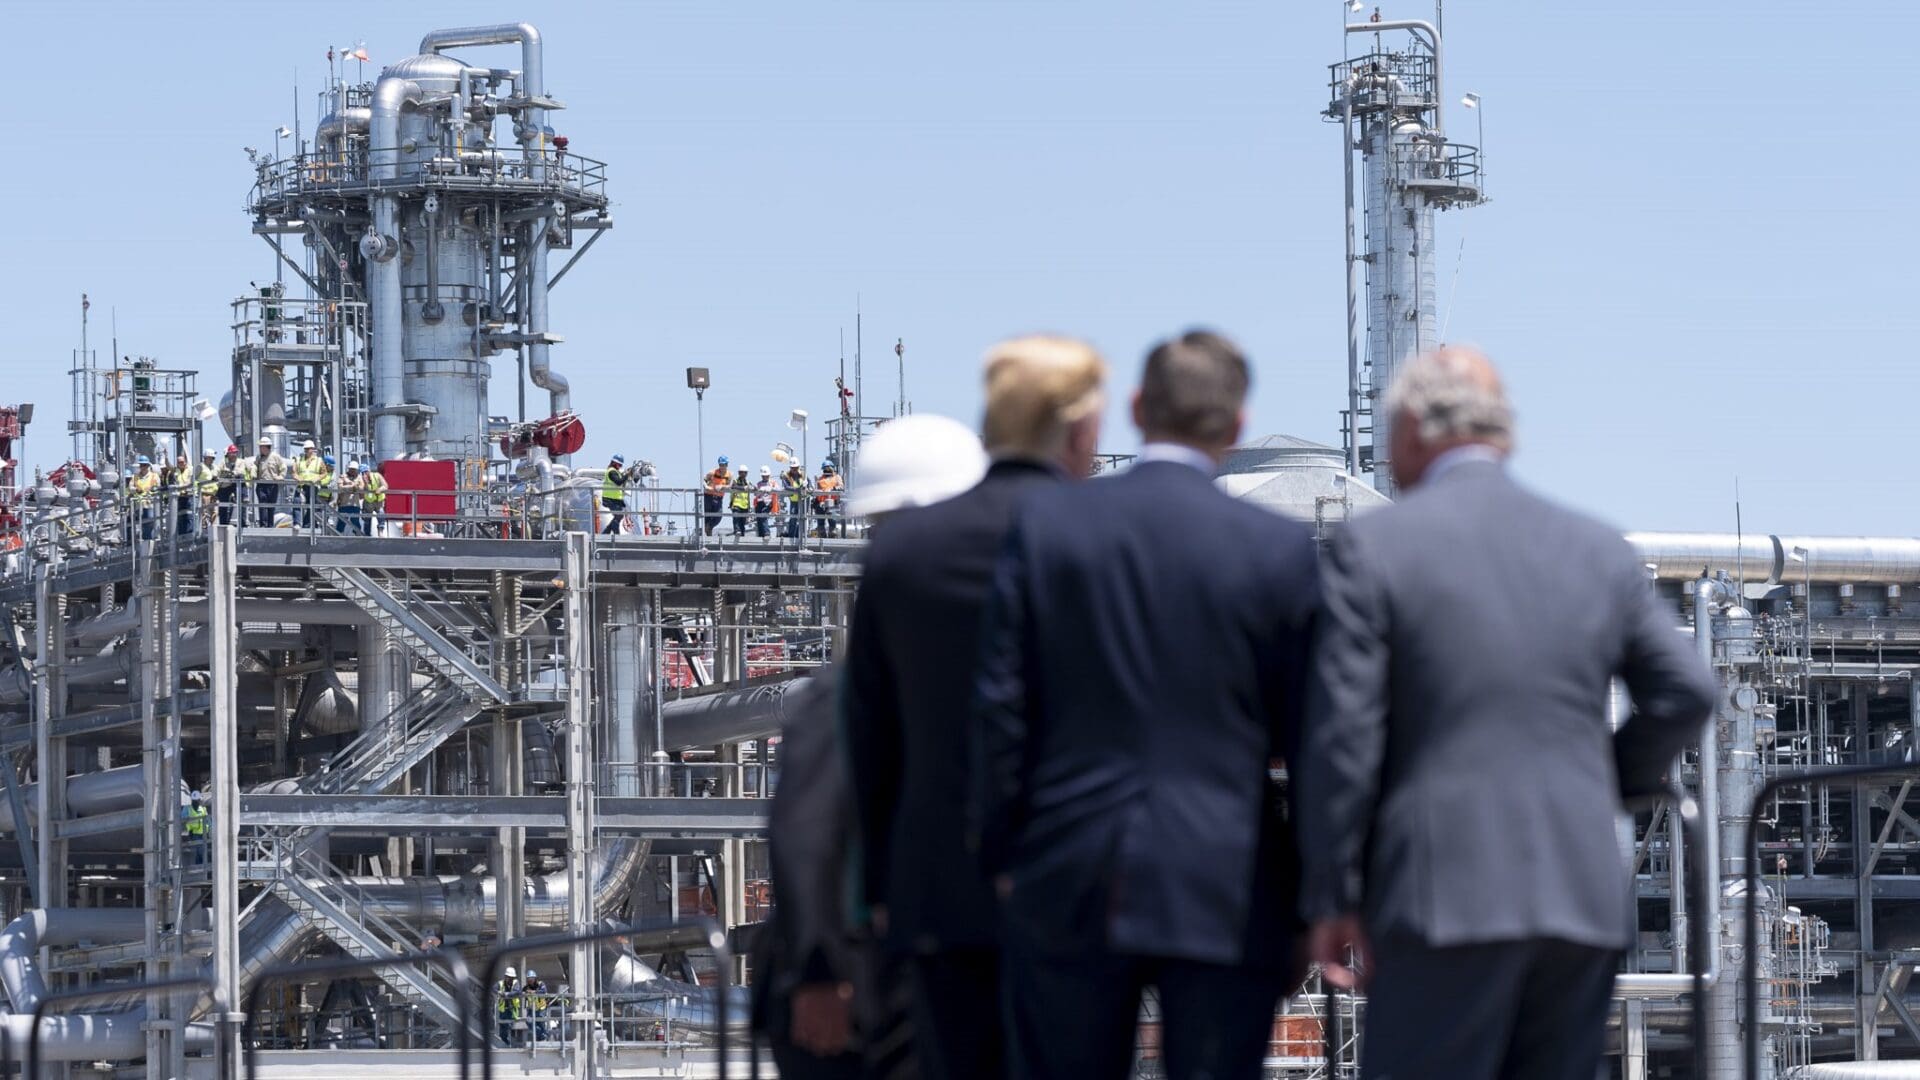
{"points": [[1458, 781]]}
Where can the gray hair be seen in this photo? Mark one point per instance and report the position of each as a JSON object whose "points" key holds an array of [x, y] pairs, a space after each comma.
{"points": [[1453, 395]]}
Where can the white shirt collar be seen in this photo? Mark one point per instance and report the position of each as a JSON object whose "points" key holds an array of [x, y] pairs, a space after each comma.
{"points": [[1179, 455], [1460, 455]]}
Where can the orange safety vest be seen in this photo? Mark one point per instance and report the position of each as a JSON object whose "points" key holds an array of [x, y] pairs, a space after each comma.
{"points": [[718, 481], [829, 487]]}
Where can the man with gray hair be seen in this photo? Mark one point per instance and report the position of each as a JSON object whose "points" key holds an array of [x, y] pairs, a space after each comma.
{"points": [[1458, 782]]}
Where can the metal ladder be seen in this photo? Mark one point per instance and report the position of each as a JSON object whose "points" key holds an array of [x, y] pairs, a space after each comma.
{"points": [[384, 752], [323, 896], [406, 625]]}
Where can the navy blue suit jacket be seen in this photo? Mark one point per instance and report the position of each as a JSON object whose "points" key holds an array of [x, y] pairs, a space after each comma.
{"points": [[910, 664], [1142, 678]]}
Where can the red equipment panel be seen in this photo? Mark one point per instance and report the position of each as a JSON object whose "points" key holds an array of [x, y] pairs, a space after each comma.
{"points": [[421, 489]]}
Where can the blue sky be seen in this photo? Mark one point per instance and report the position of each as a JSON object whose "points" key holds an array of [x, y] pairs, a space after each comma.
{"points": [[1696, 266]]}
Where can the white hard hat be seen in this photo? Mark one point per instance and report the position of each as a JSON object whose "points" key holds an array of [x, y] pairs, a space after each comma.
{"points": [[915, 461], [511, 973], [308, 445]]}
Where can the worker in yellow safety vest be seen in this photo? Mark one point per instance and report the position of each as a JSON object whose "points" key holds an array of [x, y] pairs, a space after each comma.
{"points": [[613, 495], [207, 485], [141, 487], [194, 818], [740, 501], [308, 469], [373, 500]]}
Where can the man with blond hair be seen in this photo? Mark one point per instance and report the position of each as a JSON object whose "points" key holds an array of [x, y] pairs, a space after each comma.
{"points": [[910, 666], [1458, 781]]}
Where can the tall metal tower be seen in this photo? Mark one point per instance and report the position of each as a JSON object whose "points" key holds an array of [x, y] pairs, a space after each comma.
{"points": [[1388, 102]]}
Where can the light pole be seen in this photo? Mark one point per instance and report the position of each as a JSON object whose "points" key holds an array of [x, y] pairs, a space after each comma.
{"points": [[1472, 101], [697, 381]]}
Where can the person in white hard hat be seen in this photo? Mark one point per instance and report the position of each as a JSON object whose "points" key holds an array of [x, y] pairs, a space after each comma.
{"points": [[506, 1004], [763, 502], [269, 469], [915, 461]]}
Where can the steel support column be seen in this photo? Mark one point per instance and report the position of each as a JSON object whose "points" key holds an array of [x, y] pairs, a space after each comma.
{"points": [[577, 633], [224, 787], [1867, 1012]]}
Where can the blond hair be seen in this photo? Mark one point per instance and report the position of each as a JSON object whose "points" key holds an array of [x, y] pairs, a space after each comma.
{"points": [[1039, 386]]}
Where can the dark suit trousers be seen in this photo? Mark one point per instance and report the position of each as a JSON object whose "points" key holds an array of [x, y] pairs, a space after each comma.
{"points": [[956, 1015], [1075, 1018], [1521, 1010]]}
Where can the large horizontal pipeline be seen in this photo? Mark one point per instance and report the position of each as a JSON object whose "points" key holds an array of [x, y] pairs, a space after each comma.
{"points": [[1766, 559]]}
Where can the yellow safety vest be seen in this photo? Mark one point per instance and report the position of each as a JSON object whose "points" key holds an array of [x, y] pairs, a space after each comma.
{"points": [[742, 498], [373, 490], [209, 483], [196, 820], [308, 470], [326, 482], [143, 486], [613, 490]]}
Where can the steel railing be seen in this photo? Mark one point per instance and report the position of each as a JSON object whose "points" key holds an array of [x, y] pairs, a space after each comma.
{"points": [[1905, 767], [447, 959]]}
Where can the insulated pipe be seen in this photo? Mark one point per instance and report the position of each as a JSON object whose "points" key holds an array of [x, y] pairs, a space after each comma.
{"points": [[92, 793], [1763, 559], [192, 647], [122, 621], [728, 717], [381, 247]]}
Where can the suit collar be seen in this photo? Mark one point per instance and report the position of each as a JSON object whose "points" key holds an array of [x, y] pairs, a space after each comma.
{"points": [[1006, 468]]}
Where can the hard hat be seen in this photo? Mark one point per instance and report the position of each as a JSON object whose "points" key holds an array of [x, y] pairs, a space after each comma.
{"points": [[723, 459], [208, 452], [618, 460], [328, 458], [512, 974], [353, 466], [826, 466], [532, 974], [914, 461], [232, 449], [308, 445], [765, 471], [143, 460], [266, 440]]}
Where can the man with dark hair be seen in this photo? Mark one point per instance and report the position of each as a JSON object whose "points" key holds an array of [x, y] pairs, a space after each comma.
{"points": [[1141, 681]]}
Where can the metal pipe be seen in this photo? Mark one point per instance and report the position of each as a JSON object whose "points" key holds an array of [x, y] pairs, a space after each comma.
{"points": [[1878, 560], [1432, 34], [530, 130], [381, 247], [728, 717], [1353, 292]]}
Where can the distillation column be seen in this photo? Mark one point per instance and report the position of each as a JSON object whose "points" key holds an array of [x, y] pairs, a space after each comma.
{"points": [[1389, 106]]}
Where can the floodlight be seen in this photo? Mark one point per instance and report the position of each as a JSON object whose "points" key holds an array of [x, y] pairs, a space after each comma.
{"points": [[1471, 101]]}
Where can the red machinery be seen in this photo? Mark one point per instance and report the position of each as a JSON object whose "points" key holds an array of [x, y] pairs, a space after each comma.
{"points": [[563, 433], [421, 490], [10, 427]]}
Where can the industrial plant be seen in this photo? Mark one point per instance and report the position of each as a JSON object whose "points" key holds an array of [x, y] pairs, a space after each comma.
{"points": [[251, 724]]}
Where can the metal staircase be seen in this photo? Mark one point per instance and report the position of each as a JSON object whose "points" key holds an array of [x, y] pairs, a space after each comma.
{"points": [[411, 628], [341, 911], [384, 752]]}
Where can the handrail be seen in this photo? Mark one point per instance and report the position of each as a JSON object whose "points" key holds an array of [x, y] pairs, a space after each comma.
{"points": [[1904, 767], [716, 940], [447, 957]]}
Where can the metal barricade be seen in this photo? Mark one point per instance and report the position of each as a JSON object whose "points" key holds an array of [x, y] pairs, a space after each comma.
{"points": [[222, 1067], [1905, 767], [447, 958], [716, 939]]}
